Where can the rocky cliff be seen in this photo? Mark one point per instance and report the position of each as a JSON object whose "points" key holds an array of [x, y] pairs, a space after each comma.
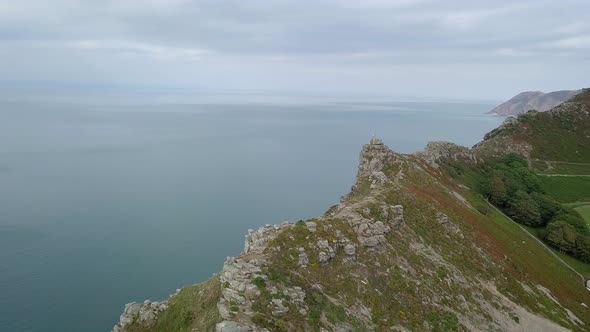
{"points": [[532, 100], [404, 250]]}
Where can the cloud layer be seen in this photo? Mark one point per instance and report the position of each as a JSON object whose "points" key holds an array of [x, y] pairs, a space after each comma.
{"points": [[455, 48]]}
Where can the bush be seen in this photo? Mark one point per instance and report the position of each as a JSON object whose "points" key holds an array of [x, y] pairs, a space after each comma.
{"points": [[281, 325], [259, 282]]}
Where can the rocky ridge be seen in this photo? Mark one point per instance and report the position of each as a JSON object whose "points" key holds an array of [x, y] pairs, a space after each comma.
{"points": [[396, 241]]}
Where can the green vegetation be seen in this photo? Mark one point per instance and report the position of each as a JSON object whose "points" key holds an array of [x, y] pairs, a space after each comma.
{"points": [[567, 189], [193, 309], [558, 136], [578, 265], [557, 140], [584, 211], [549, 167], [518, 192]]}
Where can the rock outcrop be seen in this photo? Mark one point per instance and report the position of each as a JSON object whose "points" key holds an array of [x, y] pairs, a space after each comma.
{"points": [[143, 313], [437, 153], [396, 254]]}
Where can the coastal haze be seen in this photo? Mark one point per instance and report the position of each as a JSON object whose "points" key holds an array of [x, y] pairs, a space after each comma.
{"points": [[105, 204], [140, 140]]}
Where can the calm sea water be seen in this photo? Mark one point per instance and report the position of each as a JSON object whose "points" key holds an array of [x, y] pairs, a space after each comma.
{"points": [[102, 205]]}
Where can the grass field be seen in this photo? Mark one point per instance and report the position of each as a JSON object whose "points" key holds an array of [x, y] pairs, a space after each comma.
{"points": [[567, 189], [584, 211]]}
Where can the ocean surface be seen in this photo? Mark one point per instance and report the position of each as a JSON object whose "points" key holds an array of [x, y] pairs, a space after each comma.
{"points": [[102, 204]]}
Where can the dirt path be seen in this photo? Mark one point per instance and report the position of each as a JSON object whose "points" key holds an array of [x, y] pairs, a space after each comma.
{"points": [[542, 174], [560, 162], [576, 203], [540, 242]]}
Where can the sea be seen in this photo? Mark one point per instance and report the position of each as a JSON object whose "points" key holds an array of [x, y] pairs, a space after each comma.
{"points": [[105, 203]]}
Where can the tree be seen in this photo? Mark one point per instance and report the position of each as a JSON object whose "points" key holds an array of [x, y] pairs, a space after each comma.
{"points": [[562, 236], [497, 190], [582, 250], [548, 207], [522, 208], [574, 219]]}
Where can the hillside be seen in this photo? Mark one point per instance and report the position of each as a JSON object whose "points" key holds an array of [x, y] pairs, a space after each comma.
{"points": [[409, 248], [532, 100], [550, 139]]}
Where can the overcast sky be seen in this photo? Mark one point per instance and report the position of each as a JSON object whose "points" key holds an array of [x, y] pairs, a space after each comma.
{"points": [[452, 48]]}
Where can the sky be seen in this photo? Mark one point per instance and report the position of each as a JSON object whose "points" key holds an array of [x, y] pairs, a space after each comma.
{"points": [[450, 49]]}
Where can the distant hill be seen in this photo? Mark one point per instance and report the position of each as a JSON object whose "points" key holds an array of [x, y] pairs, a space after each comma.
{"points": [[530, 100], [561, 134]]}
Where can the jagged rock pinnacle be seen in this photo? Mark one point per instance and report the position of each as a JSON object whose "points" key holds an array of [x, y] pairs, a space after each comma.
{"points": [[376, 141]]}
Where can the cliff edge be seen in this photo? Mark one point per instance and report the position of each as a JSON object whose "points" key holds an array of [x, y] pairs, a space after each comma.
{"points": [[404, 250]]}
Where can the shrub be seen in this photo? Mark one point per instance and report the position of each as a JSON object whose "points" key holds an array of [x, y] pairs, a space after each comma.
{"points": [[259, 282], [260, 320], [281, 325]]}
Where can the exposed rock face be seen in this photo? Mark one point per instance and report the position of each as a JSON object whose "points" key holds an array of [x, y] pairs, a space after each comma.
{"points": [[303, 259], [373, 159], [144, 313], [239, 277], [533, 100], [444, 220], [371, 232], [350, 249], [439, 152], [256, 240], [311, 226]]}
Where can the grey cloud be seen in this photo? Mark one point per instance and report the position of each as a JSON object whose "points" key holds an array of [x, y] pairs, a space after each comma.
{"points": [[295, 44]]}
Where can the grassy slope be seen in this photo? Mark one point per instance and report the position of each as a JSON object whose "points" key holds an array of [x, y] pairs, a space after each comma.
{"points": [[558, 191], [539, 265], [395, 298], [528, 260], [581, 267], [567, 189], [584, 211], [560, 136], [193, 309]]}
